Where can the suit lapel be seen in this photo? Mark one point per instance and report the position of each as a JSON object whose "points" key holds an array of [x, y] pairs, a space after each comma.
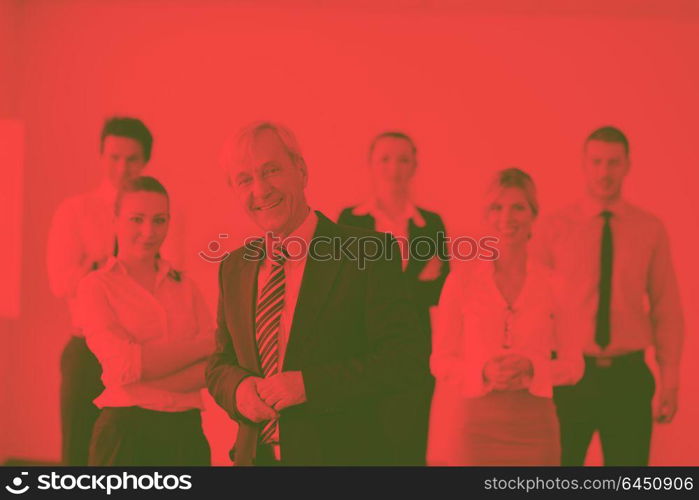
{"points": [[318, 278], [413, 232], [244, 314], [366, 221]]}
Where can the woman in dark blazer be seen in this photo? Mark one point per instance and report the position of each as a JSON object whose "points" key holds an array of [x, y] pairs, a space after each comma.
{"points": [[422, 238]]}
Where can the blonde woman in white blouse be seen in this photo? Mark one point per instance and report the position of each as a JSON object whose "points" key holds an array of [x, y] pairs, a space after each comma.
{"points": [[151, 331], [493, 344]]}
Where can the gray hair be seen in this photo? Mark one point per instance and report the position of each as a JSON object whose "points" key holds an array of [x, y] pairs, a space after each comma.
{"points": [[240, 144]]}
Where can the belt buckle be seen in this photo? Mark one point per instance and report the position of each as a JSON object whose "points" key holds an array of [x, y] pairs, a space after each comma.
{"points": [[603, 362]]}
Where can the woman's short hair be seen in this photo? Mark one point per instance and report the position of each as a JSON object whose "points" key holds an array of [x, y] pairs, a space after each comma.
{"points": [[392, 134], [143, 183], [516, 178], [237, 146]]}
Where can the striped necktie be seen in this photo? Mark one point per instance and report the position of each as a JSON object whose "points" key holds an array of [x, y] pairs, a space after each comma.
{"points": [[270, 303]]}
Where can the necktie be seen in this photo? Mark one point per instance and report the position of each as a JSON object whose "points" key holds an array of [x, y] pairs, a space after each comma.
{"points": [[602, 326], [270, 303]]}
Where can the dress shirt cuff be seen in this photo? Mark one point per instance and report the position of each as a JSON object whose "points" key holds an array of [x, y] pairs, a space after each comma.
{"points": [[540, 381], [235, 414], [444, 368], [473, 382], [669, 375]]}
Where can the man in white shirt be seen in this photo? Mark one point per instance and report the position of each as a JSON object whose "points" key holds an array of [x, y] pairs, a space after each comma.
{"points": [[610, 260], [81, 239]]}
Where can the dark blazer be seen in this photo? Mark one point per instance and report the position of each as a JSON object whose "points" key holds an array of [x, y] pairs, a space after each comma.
{"points": [[353, 336], [407, 431], [426, 293]]}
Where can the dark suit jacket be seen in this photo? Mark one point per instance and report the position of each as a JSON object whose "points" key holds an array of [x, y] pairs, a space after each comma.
{"points": [[353, 337], [407, 431], [426, 293]]}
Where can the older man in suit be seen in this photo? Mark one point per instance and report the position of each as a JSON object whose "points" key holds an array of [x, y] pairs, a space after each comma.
{"points": [[315, 326]]}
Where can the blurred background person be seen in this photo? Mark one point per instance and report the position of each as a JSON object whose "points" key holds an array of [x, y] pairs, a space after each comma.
{"points": [[619, 296], [493, 339], [81, 239], [422, 238], [151, 331]]}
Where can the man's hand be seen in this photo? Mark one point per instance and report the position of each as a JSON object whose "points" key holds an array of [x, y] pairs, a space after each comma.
{"points": [[282, 390], [249, 403], [666, 407], [432, 270]]}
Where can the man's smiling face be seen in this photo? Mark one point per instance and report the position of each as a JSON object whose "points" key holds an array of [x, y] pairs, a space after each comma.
{"points": [[270, 184]]}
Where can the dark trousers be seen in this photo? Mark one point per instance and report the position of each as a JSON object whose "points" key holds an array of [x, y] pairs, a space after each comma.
{"points": [[405, 418], [80, 385], [616, 401], [264, 457], [136, 436]]}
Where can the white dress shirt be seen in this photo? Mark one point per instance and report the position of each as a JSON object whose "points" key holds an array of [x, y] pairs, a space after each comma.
{"points": [[118, 316], [645, 303], [475, 324], [81, 236]]}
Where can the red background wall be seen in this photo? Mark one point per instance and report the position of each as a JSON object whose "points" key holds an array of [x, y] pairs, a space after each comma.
{"points": [[480, 86]]}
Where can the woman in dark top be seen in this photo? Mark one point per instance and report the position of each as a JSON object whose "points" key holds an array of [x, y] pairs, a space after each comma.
{"points": [[422, 238]]}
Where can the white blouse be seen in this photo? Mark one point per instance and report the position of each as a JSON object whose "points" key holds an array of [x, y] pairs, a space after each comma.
{"points": [[110, 302], [475, 324]]}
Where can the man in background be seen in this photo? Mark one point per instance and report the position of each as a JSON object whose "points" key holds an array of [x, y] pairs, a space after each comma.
{"points": [[80, 240], [609, 259]]}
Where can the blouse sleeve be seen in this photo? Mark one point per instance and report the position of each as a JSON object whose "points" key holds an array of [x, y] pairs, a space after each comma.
{"points": [[205, 320], [117, 351], [447, 337], [569, 365]]}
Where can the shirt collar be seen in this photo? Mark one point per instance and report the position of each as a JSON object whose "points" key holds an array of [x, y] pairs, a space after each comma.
{"points": [[304, 232], [372, 207], [114, 265], [592, 208]]}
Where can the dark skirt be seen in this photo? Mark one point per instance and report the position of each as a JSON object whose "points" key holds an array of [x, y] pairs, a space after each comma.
{"points": [[502, 428], [136, 436]]}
